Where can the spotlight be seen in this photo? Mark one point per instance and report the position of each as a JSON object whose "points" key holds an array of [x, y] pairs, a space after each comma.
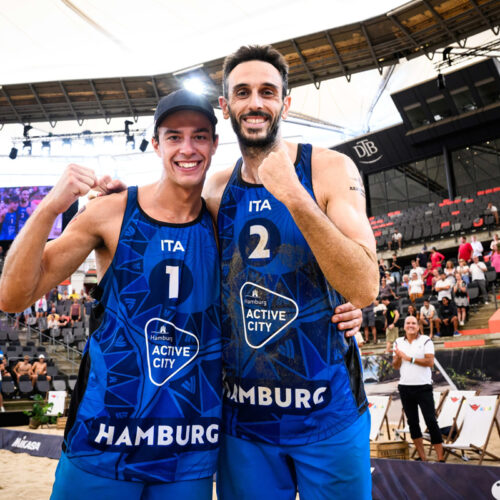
{"points": [[13, 153], [66, 144], [194, 84], [144, 145], [89, 141], [27, 147], [130, 144], [108, 138], [45, 148], [27, 128]]}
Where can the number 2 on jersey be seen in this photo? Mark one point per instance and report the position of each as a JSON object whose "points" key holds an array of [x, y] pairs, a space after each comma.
{"points": [[260, 251]]}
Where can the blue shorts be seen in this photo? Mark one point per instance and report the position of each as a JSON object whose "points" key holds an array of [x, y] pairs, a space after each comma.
{"points": [[337, 467], [73, 483]]}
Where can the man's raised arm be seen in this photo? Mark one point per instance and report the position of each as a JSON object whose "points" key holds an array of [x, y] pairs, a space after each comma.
{"points": [[335, 225], [33, 266]]}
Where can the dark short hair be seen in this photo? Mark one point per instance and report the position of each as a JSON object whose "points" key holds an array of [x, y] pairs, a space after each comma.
{"points": [[264, 53]]}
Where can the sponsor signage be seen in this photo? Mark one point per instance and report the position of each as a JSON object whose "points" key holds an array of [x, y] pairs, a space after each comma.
{"points": [[38, 445]]}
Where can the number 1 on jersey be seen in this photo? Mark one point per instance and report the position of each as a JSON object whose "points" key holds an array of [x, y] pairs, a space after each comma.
{"points": [[173, 282]]}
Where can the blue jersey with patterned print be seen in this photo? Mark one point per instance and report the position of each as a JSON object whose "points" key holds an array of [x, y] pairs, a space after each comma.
{"points": [[9, 226], [148, 399], [290, 377]]}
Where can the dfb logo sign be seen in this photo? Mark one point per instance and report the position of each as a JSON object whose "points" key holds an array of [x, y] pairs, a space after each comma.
{"points": [[365, 149]]}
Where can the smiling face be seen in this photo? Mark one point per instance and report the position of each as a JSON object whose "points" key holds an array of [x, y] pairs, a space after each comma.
{"points": [[186, 146], [411, 325], [255, 103]]}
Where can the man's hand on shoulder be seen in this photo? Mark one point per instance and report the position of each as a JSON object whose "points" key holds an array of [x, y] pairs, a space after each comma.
{"points": [[106, 185]]}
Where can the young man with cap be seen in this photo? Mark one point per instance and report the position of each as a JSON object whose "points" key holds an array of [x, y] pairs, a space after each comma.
{"points": [[145, 414], [294, 239], [39, 368]]}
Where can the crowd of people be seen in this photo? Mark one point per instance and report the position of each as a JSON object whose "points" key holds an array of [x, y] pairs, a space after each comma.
{"points": [[435, 289]]}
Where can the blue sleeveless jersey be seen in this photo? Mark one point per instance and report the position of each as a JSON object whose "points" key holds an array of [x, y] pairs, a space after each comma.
{"points": [[289, 376], [22, 217], [9, 226], [147, 406]]}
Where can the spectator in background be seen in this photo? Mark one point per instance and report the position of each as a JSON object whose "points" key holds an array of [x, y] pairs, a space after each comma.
{"points": [[494, 242], [422, 257], [368, 323], [436, 258], [396, 239], [414, 357], [447, 317], [388, 279], [443, 287], [416, 288], [41, 307], [74, 295], [23, 368], [39, 368], [464, 271], [412, 311], [477, 270], [427, 316], [450, 271], [391, 318], [75, 311], [395, 270], [477, 247], [461, 298], [382, 268], [493, 210], [427, 278], [406, 281], [465, 250], [416, 268], [495, 258], [386, 291]]}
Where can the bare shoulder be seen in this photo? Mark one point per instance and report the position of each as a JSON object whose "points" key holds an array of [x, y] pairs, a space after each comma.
{"points": [[334, 174], [214, 189]]}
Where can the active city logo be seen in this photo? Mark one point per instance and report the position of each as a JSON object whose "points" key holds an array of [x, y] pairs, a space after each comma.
{"points": [[170, 349], [365, 149], [265, 313]]}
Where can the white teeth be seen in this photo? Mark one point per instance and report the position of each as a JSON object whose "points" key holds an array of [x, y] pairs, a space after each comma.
{"points": [[255, 120], [186, 164]]}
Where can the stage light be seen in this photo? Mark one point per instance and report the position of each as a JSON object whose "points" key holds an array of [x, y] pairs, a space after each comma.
{"points": [[194, 84], [13, 153], [66, 144], [130, 144], [89, 141], [27, 128], [108, 139], [144, 145], [441, 83], [127, 127], [27, 148]]}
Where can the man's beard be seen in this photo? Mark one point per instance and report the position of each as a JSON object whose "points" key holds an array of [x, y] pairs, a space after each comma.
{"points": [[249, 142]]}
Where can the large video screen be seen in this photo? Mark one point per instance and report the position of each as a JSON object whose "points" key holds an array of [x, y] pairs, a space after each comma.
{"points": [[17, 204]]}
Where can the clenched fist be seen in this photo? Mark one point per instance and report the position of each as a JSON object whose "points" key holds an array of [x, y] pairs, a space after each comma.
{"points": [[75, 182], [277, 174]]}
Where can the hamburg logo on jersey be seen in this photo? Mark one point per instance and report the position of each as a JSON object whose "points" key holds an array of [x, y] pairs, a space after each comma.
{"points": [[170, 349], [265, 313]]}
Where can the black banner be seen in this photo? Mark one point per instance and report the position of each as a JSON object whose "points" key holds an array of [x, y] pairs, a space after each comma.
{"points": [[407, 479], [38, 445]]}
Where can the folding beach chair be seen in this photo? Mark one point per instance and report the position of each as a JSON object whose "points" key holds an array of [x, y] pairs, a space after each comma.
{"points": [[479, 418], [378, 406], [451, 415]]}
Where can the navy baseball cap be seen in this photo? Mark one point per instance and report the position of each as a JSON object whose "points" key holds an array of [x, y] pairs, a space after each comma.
{"points": [[183, 100]]}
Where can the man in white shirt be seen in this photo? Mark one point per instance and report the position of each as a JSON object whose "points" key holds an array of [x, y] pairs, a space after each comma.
{"points": [[415, 268], [427, 315], [414, 357], [396, 238], [416, 286], [443, 287], [477, 247], [477, 270]]}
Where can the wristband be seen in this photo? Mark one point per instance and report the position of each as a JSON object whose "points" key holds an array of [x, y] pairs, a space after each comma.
{"points": [[412, 361]]}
